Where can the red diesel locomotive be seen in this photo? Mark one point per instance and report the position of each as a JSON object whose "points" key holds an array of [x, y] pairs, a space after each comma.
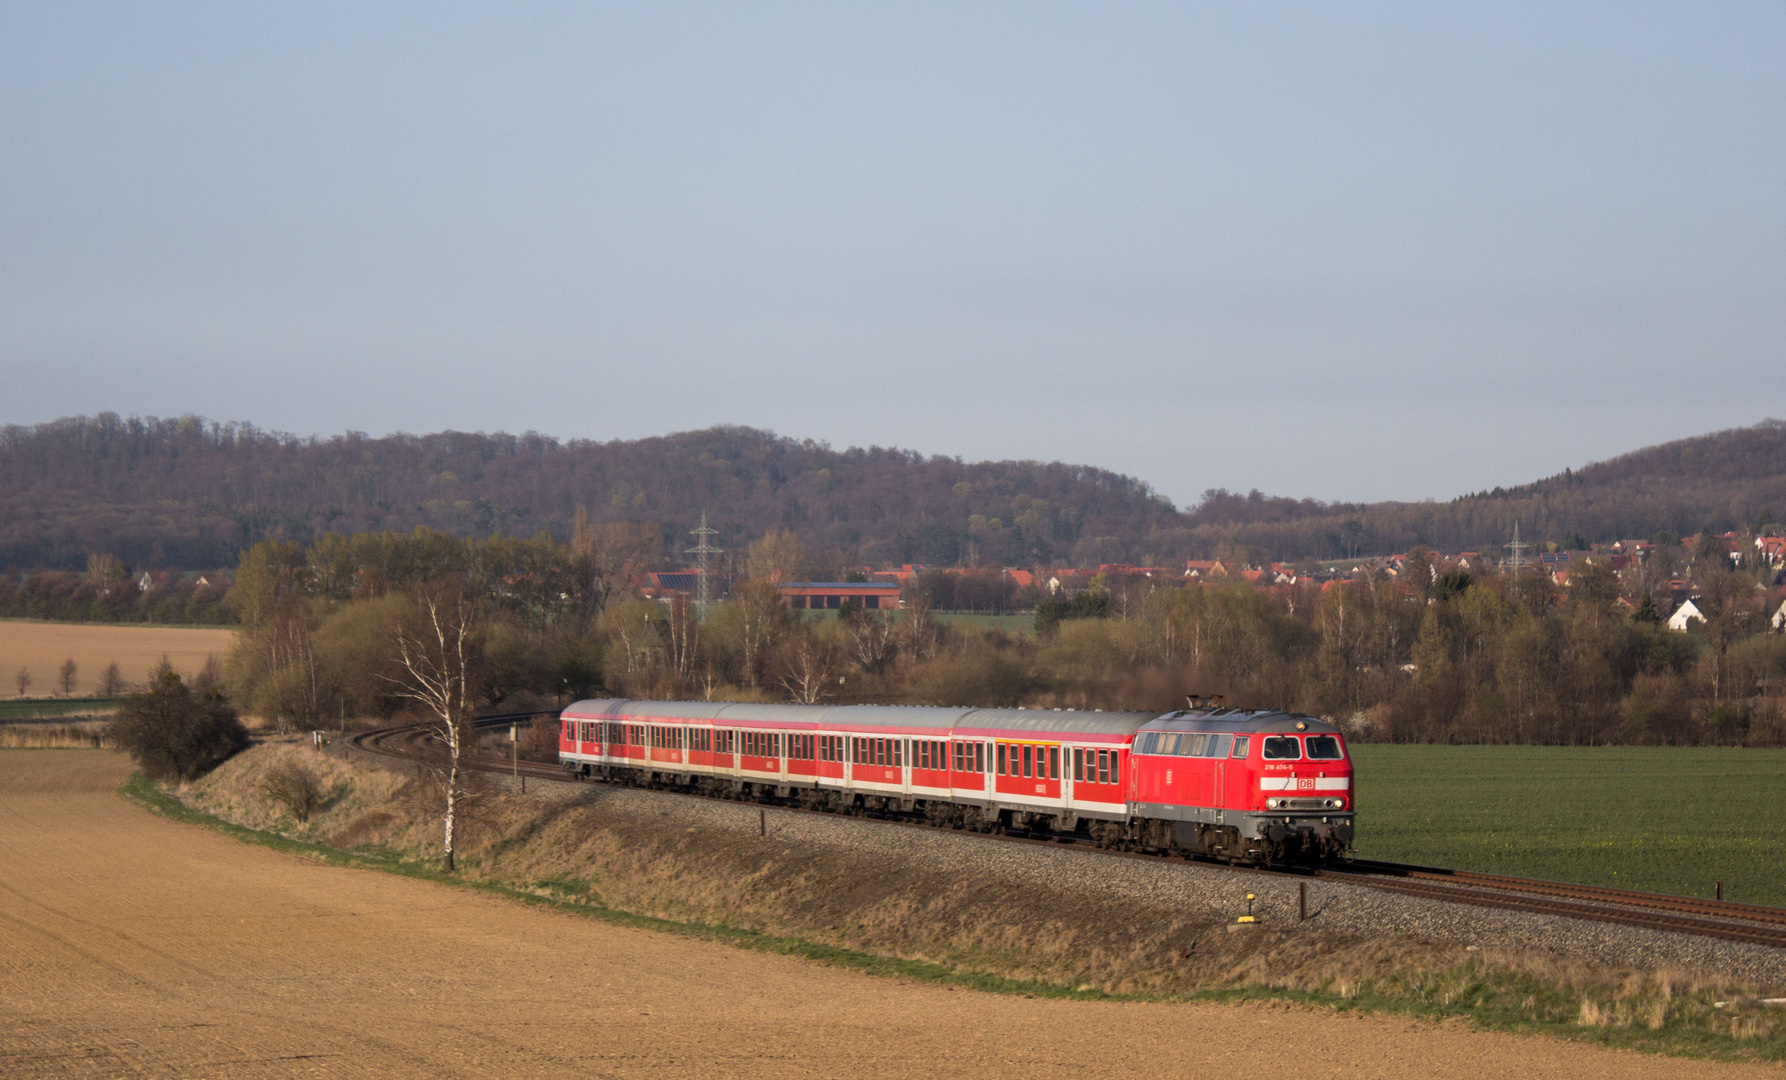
{"points": [[1244, 785]]}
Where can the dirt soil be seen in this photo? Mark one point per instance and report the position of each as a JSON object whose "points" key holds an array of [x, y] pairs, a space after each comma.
{"points": [[43, 646], [134, 946]]}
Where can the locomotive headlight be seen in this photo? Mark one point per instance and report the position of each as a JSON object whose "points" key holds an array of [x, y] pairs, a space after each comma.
{"points": [[1273, 804], [1336, 803]]}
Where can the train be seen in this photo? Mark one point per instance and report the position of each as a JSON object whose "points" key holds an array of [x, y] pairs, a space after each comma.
{"points": [[1259, 786]]}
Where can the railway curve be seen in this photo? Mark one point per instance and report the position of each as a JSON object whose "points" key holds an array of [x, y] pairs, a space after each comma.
{"points": [[1753, 924]]}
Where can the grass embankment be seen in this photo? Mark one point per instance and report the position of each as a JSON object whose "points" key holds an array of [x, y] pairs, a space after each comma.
{"points": [[591, 857], [1660, 819]]}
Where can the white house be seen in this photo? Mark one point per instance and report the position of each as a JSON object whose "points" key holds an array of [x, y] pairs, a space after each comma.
{"points": [[1683, 615]]}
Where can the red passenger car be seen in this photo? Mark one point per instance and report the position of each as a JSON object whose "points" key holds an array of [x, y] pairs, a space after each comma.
{"points": [[1245, 785]]}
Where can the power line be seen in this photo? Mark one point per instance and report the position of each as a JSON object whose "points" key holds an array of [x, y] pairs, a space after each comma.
{"points": [[700, 551], [1518, 550]]}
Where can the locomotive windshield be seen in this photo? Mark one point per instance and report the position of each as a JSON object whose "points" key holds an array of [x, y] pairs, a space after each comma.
{"points": [[1282, 748], [1323, 748]]}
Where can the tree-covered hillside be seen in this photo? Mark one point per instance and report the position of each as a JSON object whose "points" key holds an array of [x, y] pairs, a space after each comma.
{"points": [[187, 493]]}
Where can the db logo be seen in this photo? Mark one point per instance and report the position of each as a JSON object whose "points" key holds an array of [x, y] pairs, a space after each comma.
{"points": [[1305, 783]]}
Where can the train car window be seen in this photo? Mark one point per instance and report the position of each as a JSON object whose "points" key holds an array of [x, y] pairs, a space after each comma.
{"points": [[898, 745], [1282, 748], [1322, 748], [1028, 754], [999, 750], [1115, 767], [979, 757], [1145, 744], [1218, 746], [1054, 763]]}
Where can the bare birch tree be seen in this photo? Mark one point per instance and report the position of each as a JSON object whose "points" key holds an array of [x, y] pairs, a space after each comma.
{"points": [[436, 662], [760, 604], [811, 669], [871, 634], [683, 632]]}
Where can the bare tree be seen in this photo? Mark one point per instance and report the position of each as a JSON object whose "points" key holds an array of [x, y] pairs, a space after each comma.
{"points": [[606, 557], [436, 663], [23, 681], [871, 634], [760, 604], [920, 628], [778, 556], [684, 633], [65, 676], [811, 670], [111, 681]]}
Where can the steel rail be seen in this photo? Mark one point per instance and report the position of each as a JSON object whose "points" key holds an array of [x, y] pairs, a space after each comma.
{"points": [[1594, 894], [1632, 915], [1748, 923]]}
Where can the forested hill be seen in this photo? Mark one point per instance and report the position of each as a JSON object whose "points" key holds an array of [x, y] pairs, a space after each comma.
{"points": [[1733, 479], [188, 493]]}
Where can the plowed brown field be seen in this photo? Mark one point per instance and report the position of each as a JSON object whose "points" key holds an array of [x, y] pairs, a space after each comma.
{"points": [[134, 946], [41, 647]]}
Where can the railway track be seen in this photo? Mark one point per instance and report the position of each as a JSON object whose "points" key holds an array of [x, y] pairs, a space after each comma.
{"points": [[1727, 920]]}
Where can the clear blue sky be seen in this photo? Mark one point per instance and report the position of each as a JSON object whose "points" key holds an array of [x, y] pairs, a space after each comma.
{"points": [[1343, 251]]}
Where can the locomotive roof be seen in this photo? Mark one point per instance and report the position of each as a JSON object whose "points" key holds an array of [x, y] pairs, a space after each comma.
{"points": [[886, 716], [1240, 721]]}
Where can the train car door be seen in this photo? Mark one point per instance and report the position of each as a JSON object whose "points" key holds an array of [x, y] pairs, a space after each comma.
{"points": [[1236, 775]]}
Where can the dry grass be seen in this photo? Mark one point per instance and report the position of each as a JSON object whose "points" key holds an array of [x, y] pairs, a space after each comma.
{"points": [[42, 647], [78, 736]]}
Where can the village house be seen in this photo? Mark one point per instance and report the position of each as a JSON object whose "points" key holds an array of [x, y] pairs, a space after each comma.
{"points": [[1686, 613]]}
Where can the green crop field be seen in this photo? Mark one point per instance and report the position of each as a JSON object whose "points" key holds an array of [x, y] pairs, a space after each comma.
{"points": [[1660, 819], [43, 708]]}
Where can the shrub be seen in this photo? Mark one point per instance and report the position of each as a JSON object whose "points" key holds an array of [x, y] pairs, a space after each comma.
{"points": [[294, 787], [174, 733]]}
